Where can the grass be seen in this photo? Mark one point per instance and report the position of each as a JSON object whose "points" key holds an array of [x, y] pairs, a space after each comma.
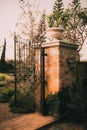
{"points": [[2, 83], [2, 77], [6, 79], [6, 87], [25, 103]]}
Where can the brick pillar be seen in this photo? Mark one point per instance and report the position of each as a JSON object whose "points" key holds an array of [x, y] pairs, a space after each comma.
{"points": [[60, 67], [67, 61]]}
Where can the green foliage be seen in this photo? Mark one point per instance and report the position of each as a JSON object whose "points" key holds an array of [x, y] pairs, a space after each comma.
{"points": [[5, 94], [2, 77], [52, 97], [73, 105], [6, 67], [75, 27], [41, 31], [70, 103], [10, 92], [6, 79], [65, 97], [55, 19], [73, 19], [52, 103], [2, 80], [83, 16], [3, 52], [76, 3], [24, 104], [2, 84], [58, 6]]}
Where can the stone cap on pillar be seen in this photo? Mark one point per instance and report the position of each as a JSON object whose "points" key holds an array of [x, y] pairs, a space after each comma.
{"points": [[60, 43]]}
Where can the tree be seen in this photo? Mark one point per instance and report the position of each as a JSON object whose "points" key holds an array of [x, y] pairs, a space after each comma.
{"points": [[27, 22], [41, 31], [3, 52], [27, 25], [76, 26], [58, 6], [73, 19], [55, 19]]}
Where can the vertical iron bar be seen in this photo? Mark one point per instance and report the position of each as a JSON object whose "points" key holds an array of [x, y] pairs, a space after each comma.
{"points": [[24, 54], [19, 52], [42, 62], [29, 55], [15, 68]]}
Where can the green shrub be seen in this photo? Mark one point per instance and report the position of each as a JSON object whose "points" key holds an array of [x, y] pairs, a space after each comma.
{"points": [[3, 97], [2, 77], [2, 80], [6, 79], [24, 103], [7, 67], [52, 104], [5, 94], [73, 105], [2, 84], [65, 97]]}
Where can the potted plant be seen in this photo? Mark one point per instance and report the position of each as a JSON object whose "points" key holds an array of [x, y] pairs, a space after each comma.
{"points": [[55, 29], [55, 33]]}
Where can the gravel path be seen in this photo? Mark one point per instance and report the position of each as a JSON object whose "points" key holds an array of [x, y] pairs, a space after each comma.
{"points": [[5, 113]]}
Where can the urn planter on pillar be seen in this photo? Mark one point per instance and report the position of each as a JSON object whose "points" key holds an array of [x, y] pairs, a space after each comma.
{"points": [[55, 33]]}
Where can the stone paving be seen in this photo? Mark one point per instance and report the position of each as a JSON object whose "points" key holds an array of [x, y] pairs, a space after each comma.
{"points": [[27, 122]]}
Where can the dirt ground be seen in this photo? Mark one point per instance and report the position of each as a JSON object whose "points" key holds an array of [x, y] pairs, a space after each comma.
{"points": [[5, 113]]}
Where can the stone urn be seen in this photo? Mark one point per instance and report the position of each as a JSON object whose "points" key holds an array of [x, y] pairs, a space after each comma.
{"points": [[55, 33]]}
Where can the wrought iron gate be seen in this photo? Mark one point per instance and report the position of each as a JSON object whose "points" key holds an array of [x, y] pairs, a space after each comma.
{"points": [[24, 55], [24, 73]]}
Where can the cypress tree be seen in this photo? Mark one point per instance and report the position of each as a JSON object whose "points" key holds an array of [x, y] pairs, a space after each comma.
{"points": [[3, 52], [41, 31]]}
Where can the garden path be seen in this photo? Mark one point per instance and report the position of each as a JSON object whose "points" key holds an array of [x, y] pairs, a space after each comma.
{"points": [[6, 114], [26, 122]]}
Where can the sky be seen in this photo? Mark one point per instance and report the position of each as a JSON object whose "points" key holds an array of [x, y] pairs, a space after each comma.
{"points": [[9, 11]]}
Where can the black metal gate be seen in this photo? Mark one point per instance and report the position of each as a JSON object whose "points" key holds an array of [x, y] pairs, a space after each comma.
{"points": [[25, 77], [24, 73]]}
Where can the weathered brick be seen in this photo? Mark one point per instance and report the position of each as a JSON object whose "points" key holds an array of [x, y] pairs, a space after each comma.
{"points": [[57, 71]]}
